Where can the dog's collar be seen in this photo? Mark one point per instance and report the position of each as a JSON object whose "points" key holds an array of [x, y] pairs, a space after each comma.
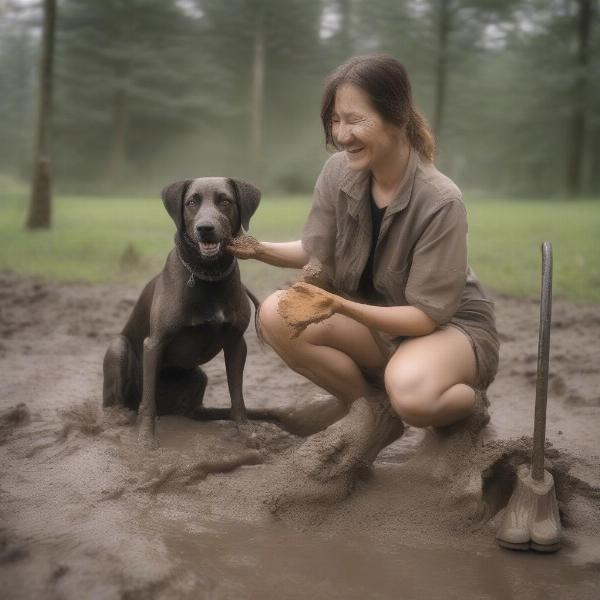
{"points": [[204, 275]]}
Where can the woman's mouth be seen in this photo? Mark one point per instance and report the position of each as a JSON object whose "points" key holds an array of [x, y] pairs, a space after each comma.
{"points": [[355, 150]]}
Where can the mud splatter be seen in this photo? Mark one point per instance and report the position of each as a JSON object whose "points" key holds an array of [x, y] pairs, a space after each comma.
{"points": [[302, 305], [244, 246]]}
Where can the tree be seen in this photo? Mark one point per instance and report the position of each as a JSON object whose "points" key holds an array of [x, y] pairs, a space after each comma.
{"points": [[583, 19], [40, 204], [258, 93], [132, 78]]}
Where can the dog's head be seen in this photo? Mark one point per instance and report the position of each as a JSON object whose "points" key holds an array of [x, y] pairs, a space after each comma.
{"points": [[211, 210]]}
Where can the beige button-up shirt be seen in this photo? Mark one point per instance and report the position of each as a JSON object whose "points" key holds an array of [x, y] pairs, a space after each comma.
{"points": [[421, 252]]}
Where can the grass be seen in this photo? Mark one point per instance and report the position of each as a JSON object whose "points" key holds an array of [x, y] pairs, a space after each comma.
{"points": [[126, 240], [505, 239]]}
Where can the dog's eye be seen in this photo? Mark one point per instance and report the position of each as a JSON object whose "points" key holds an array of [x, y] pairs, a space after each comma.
{"points": [[224, 200], [190, 202]]}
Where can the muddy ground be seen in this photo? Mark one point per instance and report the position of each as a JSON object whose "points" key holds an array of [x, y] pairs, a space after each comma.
{"points": [[84, 513]]}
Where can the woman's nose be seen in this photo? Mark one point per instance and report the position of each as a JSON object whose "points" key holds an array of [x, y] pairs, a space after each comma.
{"points": [[344, 133]]}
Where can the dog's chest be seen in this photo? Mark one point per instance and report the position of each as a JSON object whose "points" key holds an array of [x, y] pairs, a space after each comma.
{"points": [[212, 310], [214, 318]]}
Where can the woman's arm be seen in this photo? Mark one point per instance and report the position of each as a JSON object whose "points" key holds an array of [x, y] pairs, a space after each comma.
{"points": [[279, 254], [283, 254], [394, 320]]}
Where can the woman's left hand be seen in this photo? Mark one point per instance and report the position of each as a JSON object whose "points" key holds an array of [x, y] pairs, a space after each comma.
{"points": [[320, 298], [304, 303]]}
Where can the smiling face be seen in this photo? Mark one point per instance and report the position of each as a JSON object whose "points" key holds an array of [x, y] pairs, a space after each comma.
{"points": [[210, 215], [357, 128]]}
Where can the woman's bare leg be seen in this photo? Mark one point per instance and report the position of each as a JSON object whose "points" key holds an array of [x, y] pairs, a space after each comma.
{"points": [[429, 379], [330, 354]]}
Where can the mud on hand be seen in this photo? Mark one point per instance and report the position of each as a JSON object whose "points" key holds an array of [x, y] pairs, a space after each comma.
{"points": [[243, 246], [303, 304]]}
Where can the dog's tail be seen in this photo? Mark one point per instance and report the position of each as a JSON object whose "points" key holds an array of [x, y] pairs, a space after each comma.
{"points": [[256, 303], [253, 298]]}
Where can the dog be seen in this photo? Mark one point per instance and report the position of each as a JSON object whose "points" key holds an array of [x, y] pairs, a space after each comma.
{"points": [[194, 308]]}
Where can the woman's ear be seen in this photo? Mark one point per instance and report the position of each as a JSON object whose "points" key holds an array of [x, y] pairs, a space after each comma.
{"points": [[172, 197], [247, 197]]}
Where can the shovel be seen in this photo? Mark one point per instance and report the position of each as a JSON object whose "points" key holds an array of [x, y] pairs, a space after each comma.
{"points": [[531, 520]]}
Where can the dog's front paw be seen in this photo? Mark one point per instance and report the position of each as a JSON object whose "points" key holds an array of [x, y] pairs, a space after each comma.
{"points": [[146, 435], [249, 434]]}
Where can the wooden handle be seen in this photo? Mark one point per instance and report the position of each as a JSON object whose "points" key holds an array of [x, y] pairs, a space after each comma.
{"points": [[541, 388]]}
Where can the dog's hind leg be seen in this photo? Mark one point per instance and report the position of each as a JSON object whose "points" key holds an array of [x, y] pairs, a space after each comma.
{"points": [[119, 374], [180, 392]]}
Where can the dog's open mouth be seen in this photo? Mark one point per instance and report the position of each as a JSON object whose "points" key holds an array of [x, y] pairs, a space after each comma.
{"points": [[209, 248]]}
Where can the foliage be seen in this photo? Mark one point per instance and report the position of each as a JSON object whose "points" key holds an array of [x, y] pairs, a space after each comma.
{"points": [[150, 91]]}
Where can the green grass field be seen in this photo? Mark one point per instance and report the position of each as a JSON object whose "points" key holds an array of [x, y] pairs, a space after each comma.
{"points": [[126, 240]]}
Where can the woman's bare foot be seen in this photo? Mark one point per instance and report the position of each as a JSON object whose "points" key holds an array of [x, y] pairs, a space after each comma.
{"points": [[312, 415], [325, 467]]}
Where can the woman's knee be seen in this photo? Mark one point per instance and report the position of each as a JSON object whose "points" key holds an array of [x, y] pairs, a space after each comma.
{"points": [[410, 396], [270, 321]]}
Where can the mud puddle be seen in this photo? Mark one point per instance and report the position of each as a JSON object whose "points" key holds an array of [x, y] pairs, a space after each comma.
{"points": [[233, 560]]}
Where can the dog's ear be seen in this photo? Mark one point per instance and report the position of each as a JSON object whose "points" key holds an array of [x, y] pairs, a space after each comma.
{"points": [[247, 197], [172, 197]]}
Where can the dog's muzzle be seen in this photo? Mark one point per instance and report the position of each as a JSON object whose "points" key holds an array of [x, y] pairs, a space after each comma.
{"points": [[207, 240]]}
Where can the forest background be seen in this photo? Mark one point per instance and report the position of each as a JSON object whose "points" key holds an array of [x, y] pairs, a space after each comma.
{"points": [[145, 92]]}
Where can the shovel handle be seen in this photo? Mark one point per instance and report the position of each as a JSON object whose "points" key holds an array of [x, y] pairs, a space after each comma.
{"points": [[541, 388]]}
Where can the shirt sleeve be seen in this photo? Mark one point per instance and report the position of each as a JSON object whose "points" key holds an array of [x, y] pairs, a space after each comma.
{"points": [[438, 272], [319, 233]]}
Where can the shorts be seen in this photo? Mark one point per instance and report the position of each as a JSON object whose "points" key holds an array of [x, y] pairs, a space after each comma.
{"points": [[477, 321]]}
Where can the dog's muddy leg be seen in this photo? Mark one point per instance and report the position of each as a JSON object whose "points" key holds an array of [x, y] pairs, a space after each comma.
{"points": [[235, 360], [147, 410], [117, 367]]}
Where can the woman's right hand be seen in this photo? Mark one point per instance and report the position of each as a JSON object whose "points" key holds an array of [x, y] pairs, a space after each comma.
{"points": [[244, 246], [279, 254]]}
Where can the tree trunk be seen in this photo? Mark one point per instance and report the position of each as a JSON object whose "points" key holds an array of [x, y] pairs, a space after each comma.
{"points": [[40, 205], [580, 91], [443, 34], [258, 94]]}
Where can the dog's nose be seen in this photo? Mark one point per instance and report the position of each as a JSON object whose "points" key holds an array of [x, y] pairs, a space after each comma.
{"points": [[203, 229]]}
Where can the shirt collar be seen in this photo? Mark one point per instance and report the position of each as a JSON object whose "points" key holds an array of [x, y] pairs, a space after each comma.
{"points": [[355, 184]]}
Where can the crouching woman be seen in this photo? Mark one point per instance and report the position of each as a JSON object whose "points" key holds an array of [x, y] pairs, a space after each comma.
{"points": [[388, 233]]}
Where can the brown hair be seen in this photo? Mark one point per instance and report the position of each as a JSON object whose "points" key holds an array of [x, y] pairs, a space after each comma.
{"points": [[386, 82]]}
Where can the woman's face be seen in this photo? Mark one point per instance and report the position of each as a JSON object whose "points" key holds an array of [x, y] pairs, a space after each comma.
{"points": [[358, 129]]}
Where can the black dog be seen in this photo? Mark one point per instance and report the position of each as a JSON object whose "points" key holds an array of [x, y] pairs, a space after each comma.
{"points": [[194, 308]]}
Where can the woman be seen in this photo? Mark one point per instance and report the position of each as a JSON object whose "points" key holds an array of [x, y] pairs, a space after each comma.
{"points": [[389, 233]]}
